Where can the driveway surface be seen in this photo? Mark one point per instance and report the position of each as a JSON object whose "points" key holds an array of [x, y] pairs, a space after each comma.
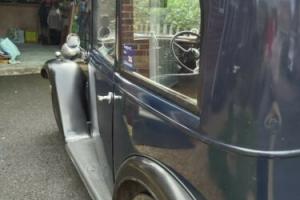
{"points": [[33, 162]]}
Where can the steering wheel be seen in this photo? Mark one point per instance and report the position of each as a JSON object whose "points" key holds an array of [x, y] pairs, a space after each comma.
{"points": [[190, 51]]}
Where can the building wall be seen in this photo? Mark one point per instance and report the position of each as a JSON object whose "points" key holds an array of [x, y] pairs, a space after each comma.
{"points": [[141, 46], [23, 16]]}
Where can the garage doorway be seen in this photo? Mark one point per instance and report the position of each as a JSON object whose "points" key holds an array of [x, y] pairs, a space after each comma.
{"points": [[37, 28]]}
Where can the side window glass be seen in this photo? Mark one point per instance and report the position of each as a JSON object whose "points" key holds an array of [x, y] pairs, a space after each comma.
{"points": [[161, 44], [104, 20]]}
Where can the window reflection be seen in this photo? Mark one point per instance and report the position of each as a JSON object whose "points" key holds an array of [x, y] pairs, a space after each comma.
{"points": [[160, 43], [104, 28]]}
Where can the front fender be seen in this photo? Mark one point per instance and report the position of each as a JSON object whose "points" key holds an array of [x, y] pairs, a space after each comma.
{"points": [[68, 83]]}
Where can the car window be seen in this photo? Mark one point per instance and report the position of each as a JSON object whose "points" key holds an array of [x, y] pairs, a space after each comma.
{"points": [[104, 20], [160, 41]]}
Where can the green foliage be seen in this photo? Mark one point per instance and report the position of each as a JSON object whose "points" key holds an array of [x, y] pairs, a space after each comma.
{"points": [[179, 13], [183, 13], [141, 11]]}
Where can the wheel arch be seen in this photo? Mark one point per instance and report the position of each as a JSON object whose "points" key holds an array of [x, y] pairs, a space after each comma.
{"points": [[156, 178]]}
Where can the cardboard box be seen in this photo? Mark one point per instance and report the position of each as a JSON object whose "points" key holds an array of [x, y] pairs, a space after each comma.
{"points": [[31, 37], [4, 61]]}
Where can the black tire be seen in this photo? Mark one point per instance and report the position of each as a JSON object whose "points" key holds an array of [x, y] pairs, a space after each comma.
{"points": [[131, 190], [56, 110], [143, 197]]}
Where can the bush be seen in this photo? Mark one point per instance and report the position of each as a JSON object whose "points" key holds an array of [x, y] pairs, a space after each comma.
{"points": [[183, 13], [179, 13]]}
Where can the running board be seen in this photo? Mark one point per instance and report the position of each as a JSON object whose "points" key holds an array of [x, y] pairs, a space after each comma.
{"points": [[91, 167]]}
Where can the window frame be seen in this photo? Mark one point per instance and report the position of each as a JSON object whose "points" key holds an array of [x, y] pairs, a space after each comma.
{"points": [[158, 89], [162, 91], [113, 62]]}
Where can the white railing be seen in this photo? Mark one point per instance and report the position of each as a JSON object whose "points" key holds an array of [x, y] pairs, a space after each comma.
{"points": [[159, 29]]}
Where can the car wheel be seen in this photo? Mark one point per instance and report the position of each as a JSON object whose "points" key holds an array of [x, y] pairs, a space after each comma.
{"points": [[56, 110], [143, 197], [132, 190]]}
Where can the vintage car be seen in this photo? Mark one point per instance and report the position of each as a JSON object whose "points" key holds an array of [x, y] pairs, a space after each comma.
{"points": [[184, 99]]}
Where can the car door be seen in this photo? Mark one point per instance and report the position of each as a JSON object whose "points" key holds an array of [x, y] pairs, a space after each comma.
{"points": [[159, 106], [102, 69]]}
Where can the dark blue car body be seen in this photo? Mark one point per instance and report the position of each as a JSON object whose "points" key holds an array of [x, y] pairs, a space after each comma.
{"points": [[242, 141]]}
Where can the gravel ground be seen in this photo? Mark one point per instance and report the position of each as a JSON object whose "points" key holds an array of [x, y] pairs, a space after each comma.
{"points": [[33, 160]]}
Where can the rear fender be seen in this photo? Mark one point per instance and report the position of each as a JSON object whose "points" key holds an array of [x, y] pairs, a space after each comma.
{"points": [[68, 83], [160, 182]]}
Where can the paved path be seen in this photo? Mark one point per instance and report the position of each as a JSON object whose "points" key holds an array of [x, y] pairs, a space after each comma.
{"points": [[33, 162], [33, 57]]}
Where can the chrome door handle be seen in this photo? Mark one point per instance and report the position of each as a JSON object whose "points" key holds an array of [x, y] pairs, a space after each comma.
{"points": [[109, 97]]}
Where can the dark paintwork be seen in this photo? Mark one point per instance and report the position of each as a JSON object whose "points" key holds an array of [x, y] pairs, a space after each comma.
{"points": [[245, 142], [104, 80], [249, 58], [104, 85], [254, 72], [257, 106]]}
